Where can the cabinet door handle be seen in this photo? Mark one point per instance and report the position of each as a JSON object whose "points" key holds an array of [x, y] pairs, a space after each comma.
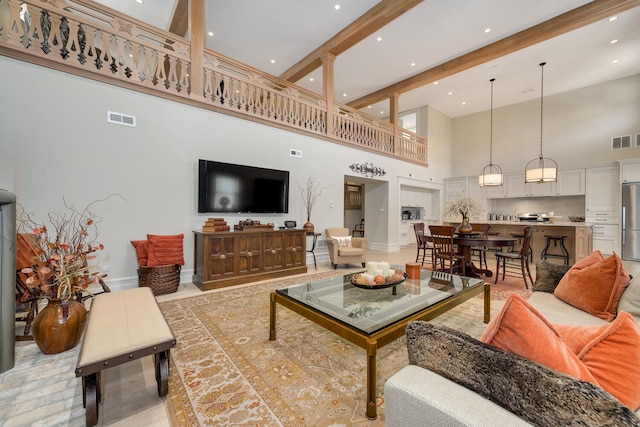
{"points": [[273, 251], [223, 257], [249, 253], [293, 249]]}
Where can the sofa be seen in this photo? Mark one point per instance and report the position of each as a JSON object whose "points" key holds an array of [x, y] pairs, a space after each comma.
{"points": [[429, 391]]}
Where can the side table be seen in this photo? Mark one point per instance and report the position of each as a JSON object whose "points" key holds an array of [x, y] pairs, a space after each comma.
{"points": [[313, 247]]}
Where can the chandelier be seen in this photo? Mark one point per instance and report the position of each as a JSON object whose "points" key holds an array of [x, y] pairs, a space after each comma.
{"points": [[491, 175], [541, 169]]}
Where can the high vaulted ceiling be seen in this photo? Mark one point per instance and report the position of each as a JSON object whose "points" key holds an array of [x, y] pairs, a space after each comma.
{"points": [[427, 43]]}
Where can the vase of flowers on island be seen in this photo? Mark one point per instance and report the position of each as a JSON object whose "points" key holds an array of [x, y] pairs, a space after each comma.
{"points": [[465, 206], [60, 271]]}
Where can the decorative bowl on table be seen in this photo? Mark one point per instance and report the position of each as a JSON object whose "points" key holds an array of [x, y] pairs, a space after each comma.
{"points": [[364, 281], [576, 218]]}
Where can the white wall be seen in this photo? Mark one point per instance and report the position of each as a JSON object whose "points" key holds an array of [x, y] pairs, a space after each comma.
{"points": [[577, 129], [55, 142]]}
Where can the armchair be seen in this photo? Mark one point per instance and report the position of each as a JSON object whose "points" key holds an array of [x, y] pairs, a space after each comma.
{"points": [[344, 249]]}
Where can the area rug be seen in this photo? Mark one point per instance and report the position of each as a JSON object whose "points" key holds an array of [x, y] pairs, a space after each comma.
{"points": [[225, 371]]}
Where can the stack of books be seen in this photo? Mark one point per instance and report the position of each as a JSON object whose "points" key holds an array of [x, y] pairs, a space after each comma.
{"points": [[215, 224]]}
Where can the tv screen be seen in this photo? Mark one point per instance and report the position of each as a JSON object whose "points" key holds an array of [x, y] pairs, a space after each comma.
{"points": [[225, 187]]}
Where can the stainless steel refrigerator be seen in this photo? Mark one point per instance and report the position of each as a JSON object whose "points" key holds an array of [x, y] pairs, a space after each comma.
{"points": [[631, 221]]}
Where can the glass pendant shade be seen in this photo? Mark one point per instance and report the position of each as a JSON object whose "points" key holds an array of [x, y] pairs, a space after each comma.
{"points": [[491, 175], [541, 169]]}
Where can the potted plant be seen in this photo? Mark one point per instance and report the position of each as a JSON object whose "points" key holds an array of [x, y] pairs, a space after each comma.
{"points": [[465, 206], [60, 271], [310, 193]]}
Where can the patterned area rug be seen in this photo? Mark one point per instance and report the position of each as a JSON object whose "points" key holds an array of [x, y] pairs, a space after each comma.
{"points": [[225, 371]]}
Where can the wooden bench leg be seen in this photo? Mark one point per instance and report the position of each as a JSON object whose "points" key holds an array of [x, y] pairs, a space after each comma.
{"points": [[91, 397], [161, 361]]}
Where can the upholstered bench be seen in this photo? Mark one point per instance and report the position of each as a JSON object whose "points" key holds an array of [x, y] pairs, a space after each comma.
{"points": [[121, 327]]}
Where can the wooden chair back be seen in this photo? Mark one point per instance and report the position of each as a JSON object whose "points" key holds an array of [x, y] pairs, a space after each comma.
{"points": [[442, 239], [481, 228]]}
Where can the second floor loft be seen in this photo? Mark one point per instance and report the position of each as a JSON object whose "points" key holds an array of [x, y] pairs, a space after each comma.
{"points": [[90, 40]]}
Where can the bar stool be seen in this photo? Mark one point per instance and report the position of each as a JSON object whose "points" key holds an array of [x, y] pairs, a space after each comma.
{"points": [[555, 238], [520, 237]]}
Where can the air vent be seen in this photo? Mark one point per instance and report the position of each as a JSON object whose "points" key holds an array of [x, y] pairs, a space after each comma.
{"points": [[637, 139], [295, 153], [121, 119], [621, 142]]}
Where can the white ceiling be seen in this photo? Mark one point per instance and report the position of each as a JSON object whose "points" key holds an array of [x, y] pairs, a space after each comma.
{"points": [[256, 31]]}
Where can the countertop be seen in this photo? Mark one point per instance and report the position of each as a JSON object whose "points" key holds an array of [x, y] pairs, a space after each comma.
{"points": [[548, 223]]}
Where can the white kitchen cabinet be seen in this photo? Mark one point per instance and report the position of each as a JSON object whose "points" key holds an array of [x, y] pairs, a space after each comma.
{"points": [[630, 172], [516, 187], [497, 192], [413, 198], [466, 186], [571, 182], [602, 197], [606, 238]]}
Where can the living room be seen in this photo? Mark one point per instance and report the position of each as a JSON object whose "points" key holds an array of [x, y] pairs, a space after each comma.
{"points": [[56, 146]]}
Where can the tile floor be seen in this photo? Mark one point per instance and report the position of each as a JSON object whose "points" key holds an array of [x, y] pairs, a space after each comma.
{"points": [[42, 390]]}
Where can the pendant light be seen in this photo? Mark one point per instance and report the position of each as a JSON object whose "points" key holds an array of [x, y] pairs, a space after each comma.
{"points": [[491, 175], [541, 169]]}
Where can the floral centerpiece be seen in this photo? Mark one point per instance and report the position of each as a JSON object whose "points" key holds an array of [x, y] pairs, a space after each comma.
{"points": [[465, 206], [59, 258], [61, 254]]}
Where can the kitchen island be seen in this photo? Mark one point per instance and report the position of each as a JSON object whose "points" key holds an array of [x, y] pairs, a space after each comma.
{"points": [[578, 241]]}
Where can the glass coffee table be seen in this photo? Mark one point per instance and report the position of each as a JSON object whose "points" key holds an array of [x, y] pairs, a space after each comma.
{"points": [[372, 318]]}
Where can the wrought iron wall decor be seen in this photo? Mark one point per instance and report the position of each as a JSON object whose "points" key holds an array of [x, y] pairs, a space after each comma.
{"points": [[367, 169]]}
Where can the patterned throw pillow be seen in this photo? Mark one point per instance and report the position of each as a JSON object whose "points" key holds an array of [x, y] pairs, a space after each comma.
{"points": [[548, 275], [343, 242]]}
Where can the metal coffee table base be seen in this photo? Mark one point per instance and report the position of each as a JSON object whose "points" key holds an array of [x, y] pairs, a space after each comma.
{"points": [[372, 342]]}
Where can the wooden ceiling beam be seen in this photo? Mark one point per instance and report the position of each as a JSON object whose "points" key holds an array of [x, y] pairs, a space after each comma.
{"points": [[180, 21], [569, 21], [371, 21]]}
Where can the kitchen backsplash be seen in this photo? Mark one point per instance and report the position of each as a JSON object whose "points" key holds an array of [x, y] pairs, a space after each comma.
{"points": [[563, 206]]}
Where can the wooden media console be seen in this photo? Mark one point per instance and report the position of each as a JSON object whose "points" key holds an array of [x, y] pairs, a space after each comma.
{"points": [[232, 258]]}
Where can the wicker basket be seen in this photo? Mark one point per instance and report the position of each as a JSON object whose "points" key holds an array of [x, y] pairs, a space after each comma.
{"points": [[163, 279]]}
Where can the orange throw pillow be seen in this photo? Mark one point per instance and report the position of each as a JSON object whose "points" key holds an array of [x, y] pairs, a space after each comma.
{"points": [[594, 285], [612, 355], [165, 250], [142, 251], [519, 328]]}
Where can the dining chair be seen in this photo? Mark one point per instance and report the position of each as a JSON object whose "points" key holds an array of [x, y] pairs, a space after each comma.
{"points": [[516, 264], [444, 253], [481, 251], [424, 246]]}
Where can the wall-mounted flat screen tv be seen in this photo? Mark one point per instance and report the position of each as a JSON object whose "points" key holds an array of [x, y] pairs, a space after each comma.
{"points": [[225, 187]]}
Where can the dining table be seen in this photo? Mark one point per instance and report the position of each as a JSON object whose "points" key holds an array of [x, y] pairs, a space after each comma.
{"points": [[466, 241]]}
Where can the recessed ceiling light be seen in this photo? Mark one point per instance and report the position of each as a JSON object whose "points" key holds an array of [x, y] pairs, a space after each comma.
{"points": [[311, 79], [449, 93], [413, 64], [435, 83], [614, 41], [487, 30], [381, 112], [379, 39], [210, 33], [613, 18], [273, 61], [615, 61], [336, 7], [140, 1], [344, 94], [369, 106], [464, 103]]}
